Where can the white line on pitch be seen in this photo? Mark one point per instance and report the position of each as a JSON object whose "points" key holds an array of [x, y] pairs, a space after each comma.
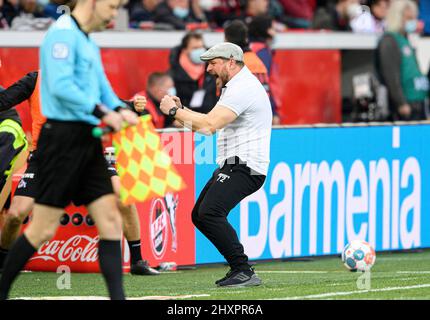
{"points": [[413, 272], [337, 284], [187, 296], [63, 298], [407, 279], [347, 293], [289, 271]]}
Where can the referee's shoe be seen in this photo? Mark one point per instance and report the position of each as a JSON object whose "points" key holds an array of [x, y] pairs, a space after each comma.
{"points": [[142, 268], [239, 278]]}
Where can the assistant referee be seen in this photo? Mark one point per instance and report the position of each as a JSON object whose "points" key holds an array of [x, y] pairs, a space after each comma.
{"points": [[71, 167], [243, 119]]}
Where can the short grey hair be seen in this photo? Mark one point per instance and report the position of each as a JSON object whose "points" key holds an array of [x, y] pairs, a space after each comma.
{"points": [[394, 20]]}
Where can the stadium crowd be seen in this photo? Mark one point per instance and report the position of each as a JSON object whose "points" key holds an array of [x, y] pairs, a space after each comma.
{"points": [[340, 15]]}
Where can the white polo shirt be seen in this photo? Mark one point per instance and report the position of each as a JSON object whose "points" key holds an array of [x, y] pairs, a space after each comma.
{"points": [[247, 137]]}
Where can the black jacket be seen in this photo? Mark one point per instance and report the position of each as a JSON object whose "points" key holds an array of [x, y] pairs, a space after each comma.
{"points": [[328, 18], [185, 86], [15, 94]]}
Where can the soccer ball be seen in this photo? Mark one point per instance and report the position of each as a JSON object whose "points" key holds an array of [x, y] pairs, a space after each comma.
{"points": [[358, 255]]}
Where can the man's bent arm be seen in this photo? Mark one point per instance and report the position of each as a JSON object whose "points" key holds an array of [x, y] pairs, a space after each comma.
{"points": [[207, 124], [18, 92]]}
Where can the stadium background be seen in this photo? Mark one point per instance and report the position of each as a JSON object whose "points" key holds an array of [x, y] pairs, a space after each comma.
{"points": [[385, 165]]}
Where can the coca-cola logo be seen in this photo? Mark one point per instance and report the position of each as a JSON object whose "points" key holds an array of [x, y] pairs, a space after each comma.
{"points": [[159, 228], [80, 248]]}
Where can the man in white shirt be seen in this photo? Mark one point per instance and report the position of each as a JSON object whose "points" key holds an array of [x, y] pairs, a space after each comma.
{"points": [[242, 118]]}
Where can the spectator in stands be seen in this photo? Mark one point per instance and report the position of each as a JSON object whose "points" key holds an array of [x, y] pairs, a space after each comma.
{"points": [[30, 17], [255, 8], [195, 87], [261, 39], [229, 10], [221, 11], [3, 22], [208, 6], [9, 10], [298, 13], [53, 8], [372, 21], [142, 11], [237, 32], [337, 16], [175, 14], [397, 65], [158, 85], [276, 11], [198, 10]]}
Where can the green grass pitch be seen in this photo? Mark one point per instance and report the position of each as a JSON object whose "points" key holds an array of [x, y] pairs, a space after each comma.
{"points": [[394, 276]]}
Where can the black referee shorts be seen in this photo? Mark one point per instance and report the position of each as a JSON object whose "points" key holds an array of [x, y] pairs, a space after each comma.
{"points": [[71, 166]]}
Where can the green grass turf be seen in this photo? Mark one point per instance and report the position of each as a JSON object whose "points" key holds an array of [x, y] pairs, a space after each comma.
{"points": [[392, 270]]}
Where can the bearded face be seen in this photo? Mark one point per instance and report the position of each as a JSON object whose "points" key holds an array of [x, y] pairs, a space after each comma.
{"points": [[223, 75], [219, 69]]}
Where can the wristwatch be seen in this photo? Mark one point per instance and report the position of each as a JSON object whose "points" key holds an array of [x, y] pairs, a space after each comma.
{"points": [[172, 112]]}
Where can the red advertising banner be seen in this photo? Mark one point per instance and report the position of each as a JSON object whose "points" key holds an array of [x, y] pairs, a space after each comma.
{"points": [[75, 245], [167, 231], [303, 95]]}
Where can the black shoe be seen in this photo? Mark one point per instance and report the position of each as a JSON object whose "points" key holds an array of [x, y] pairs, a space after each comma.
{"points": [[228, 274], [241, 278], [142, 268]]}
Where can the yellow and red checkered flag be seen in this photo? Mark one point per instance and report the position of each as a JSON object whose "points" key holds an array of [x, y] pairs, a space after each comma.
{"points": [[144, 169]]}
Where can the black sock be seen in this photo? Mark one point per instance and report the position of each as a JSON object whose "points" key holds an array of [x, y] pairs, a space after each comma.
{"points": [[3, 255], [135, 251], [111, 267], [18, 256]]}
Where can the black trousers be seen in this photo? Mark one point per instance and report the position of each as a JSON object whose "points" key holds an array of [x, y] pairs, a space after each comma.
{"points": [[7, 154], [228, 186]]}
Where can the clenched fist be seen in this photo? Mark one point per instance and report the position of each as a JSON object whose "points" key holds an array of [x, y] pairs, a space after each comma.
{"points": [[166, 104], [129, 117]]}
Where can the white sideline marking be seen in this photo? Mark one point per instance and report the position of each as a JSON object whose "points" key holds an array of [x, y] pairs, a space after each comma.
{"points": [[347, 293], [413, 272], [187, 296], [407, 279], [337, 284], [289, 271]]}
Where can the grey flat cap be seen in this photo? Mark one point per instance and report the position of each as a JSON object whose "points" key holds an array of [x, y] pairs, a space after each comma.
{"points": [[225, 50]]}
